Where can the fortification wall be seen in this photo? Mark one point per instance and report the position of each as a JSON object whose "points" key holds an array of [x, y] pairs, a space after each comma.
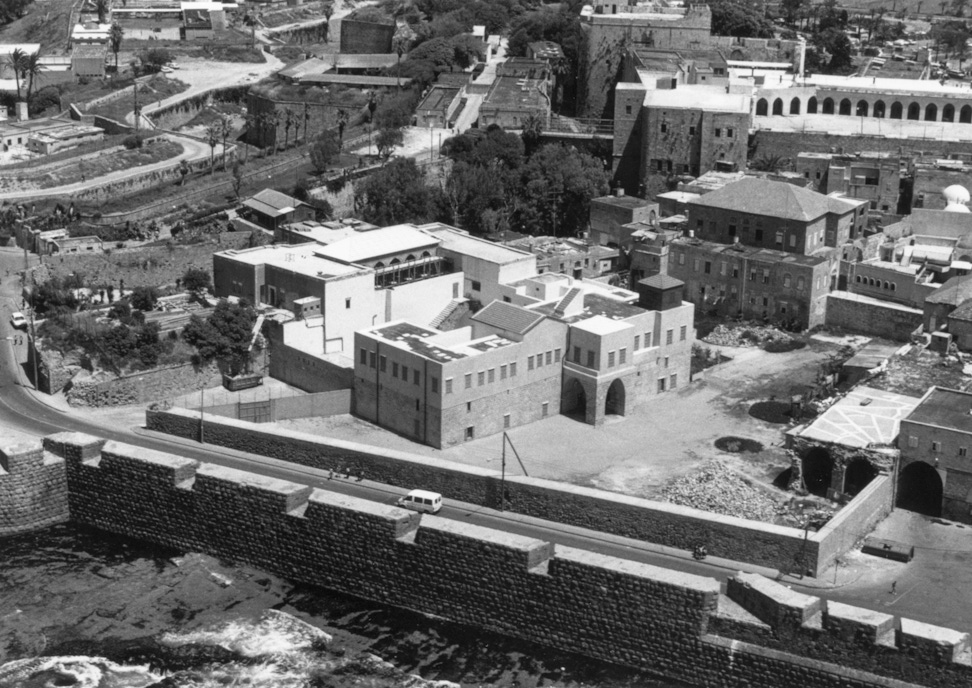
{"points": [[865, 315], [788, 145], [33, 489], [674, 624], [786, 549]]}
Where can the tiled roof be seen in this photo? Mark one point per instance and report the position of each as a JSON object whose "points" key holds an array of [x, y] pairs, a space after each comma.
{"points": [[275, 199], [662, 282], [772, 199], [953, 292], [963, 312], [507, 317]]}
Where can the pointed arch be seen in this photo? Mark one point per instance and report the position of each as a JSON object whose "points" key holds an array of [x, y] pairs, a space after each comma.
{"points": [[795, 106], [931, 113], [896, 110], [762, 107], [778, 106], [845, 106], [948, 113], [828, 106], [879, 109], [812, 105], [862, 108], [914, 111]]}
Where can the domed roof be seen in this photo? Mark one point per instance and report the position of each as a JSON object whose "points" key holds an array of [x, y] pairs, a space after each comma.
{"points": [[957, 208], [956, 193]]}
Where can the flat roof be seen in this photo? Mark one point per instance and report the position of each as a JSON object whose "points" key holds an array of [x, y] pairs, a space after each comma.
{"points": [[456, 240], [623, 201], [601, 325], [865, 416], [710, 98], [515, 93], [355, 79], [387, 241], [302, 258], [945, 408], [433, 344]]}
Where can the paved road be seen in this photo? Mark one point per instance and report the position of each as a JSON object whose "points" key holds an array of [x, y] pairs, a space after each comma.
{"points": [[21, 411]]}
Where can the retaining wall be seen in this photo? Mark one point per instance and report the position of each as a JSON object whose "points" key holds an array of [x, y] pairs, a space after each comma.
{"points": [[761, 634], [33, 489], [322, 404], [144, 386], [783, 548], [866, 315]]}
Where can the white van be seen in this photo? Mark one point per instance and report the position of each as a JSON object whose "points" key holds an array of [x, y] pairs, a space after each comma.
{"points": [[422, 500]]}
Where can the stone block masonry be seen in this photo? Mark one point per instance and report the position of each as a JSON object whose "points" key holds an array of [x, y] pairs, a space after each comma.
{"points": [[673, 624], [33, 489]]}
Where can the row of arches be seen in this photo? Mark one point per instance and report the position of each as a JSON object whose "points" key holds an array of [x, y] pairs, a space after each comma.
{"points": [[573, 401], [864, 108], [871, 282]]}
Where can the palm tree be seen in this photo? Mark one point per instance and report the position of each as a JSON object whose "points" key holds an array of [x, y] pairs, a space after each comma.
{"points": [[213, 132], [249, 122], [17, 58], [288, 123], [342, 122], [115, 35], [102, 7], [273, 121], [306, 120], [328, 11], [533, 126], [31, 67], [226, 128]]}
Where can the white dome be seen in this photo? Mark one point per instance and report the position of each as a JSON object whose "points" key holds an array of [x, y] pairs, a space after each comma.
{"points": [[956, 194], [957, 208]]}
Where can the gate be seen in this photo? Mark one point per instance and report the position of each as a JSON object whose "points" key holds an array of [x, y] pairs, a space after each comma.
{"points": [[256, 411]]}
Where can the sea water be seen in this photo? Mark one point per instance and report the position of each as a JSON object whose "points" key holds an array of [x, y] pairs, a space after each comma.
{"points": [[85, 609]]}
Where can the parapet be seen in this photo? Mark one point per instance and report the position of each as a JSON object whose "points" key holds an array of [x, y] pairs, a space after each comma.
{"points": [[776, 604]]}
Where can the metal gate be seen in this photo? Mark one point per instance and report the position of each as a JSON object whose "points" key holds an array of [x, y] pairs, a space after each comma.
{"points": [[256, 411]]}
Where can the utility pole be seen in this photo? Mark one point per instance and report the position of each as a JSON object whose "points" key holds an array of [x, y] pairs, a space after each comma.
{"points": [[202, 439], [33, 332], [138, 112]]}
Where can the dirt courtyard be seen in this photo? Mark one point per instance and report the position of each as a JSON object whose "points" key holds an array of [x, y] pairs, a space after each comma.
{"points": [[637, 454]]}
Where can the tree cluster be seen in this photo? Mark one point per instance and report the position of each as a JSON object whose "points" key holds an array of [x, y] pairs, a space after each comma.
{"points": [[559, 24], [740, 18], [225, 336], [126, 342]]}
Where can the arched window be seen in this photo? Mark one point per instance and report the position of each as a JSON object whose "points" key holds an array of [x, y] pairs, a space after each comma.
{"points": [[887, 285], [862, 108], [845, 106], [857, 278], [379, 265], [879, 109], [395, 261], [948, 113], [762, 107], [410, 256], [893, 286], [426, 254], [896, 110], [778, 106], [914, 111], [965, 114], [795, 106], [870, 281], [931, 113], [812, 105], [828, 106]]}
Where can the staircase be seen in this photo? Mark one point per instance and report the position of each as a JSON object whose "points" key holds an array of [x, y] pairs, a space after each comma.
{"points": [[561, 308], [445, 313]]}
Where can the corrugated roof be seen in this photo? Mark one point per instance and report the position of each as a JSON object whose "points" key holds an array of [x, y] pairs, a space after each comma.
{"points": [[772, 199], [507, 317]]}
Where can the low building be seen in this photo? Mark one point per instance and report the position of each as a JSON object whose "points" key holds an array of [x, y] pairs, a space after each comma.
{"points": [[575, 257], [88, 59], [197, 24], [871, 176], [437, 107], [520, 91], [935, 475], [61, 138], [611, 217], [271, 209], [943, 301]]}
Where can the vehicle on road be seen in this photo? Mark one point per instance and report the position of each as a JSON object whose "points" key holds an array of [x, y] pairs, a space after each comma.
{"points": [[422, 500], [18, 320]]}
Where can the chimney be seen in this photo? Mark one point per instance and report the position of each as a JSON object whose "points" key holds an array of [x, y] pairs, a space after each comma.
{"points": [[20, 108]]}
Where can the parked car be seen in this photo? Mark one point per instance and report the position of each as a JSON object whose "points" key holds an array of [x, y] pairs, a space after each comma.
{"points": [[422, 500], [18, 321]]}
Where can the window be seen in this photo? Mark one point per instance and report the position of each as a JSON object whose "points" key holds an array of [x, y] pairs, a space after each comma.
{"points": [[435, 385], [718, 133], [506, 299], [786, 280], [664, 127], [395, 371], [800, 282], [545, 409], [766, 275], [758, 235], [779, 238], [936, 445], [506, 417], [549, 357], [383, 364], [371, 359], [610, 359], [673, 381], [695, 265], [622, 356], [556, 355], [470, 432], [708, 267], [729, 133], [468, 380], [364, 357], [577, 356], [647, 339], [481, 378], [637, 344], [627, 111], [503, 372], [476, 286], [963, 451], [448, 385], [347, 303], [912, 441], [669, 336], [681, 259], [468, 406], [590, 359], [722, 268], [513, 369], [491, 375], [529, 362], [661, 384], [682, 333], [735, 271], [793, 240], [666, 362], [416, 378], [692, 131], [416, 404], [752, 274], [405, 372]]}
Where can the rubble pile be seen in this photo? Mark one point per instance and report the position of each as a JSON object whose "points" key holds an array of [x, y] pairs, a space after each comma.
{"points": [[716, 488], [747, 335]]}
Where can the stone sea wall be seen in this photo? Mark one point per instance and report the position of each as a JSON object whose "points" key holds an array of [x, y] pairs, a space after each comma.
{"points": [[33, 489], [759, 634]]}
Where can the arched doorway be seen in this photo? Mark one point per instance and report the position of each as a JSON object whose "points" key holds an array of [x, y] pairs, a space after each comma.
{"points": [[931, 113], [818, 470], [812, 105], [845, 106], [920, 489], [896, 109], [914, 111], [862, 108], [828, 106], [762, 107], [778, 106], [879, 109], [948, 113], [795, 106], [573, 399], [614, 402], [965, 114], [858, 473]]}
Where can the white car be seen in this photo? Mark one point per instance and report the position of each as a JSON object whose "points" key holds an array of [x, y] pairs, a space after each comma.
{"points": [[18, 321]]}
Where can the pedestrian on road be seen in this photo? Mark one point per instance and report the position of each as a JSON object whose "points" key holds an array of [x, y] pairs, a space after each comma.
{"points": [[894, 586]]}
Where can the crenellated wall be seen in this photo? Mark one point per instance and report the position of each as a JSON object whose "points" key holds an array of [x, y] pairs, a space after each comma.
{"points": [[33, 489], [760, 634]]}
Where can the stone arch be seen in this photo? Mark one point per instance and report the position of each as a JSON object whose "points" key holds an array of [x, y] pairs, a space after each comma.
{"points": [[828, 106], [795, 106], [931, 112], [879, 109], [614, 400], [737, 54], [762, 107], [573, 399], [914, 111], [965, 114], [920, 489], [896, 110], [812, 105], [379, 265], [410, 257], [395, 261], [862, 108], [948, 113], [858, 473], [426, 254], [818, 471], [857, 278], [887, 285], [845, 107], [778, 106]]}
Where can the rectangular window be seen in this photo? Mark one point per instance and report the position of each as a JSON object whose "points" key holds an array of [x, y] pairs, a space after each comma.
{"points": [[722, 268], [481, 378], [405, 373], [577, 356], [395, 371], [708, 267], [729, 133], [963, 451], [513, 369], [800, 283], [752, 274], [758, 237], [664, 127], [792, 240], [912, 441], [491, 375], [647, 340], [476, 286], [936, 445], [666, 362], [549, 357], [695, 265], [673, 381], [779, 238], [435, 385], [637, 343], [610, 359], [766, 276], [590, 359], [347, 303], [682, 333], [718, 133], [468, 380], [506, 420], [371, 359], [529, 362], [470, 433], [383, 364], [545, 409], [622, 356], [669, 336], [503, 372], [692, 131], [661, 384], [681, 259], [364, 357], [448, 385], [416, 377], [556, 355]]}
